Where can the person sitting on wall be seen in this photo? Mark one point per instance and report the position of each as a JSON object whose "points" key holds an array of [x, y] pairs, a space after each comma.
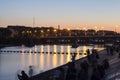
{"points": [[23, 76], [30, 70]]}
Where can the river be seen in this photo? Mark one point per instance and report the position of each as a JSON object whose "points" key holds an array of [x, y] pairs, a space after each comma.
{"points": [[45, 57]]}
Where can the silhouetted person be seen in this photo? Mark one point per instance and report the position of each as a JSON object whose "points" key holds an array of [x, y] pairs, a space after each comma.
{"points": [[71, 72], [23, 76], [108, 50], [96, 54], [88, 54], [30, 71], [57, 74], [95, 74], [101, 70], [73, 57], [83, 73], [111, 50], [93, 60], [84, 65], [106, 64]]}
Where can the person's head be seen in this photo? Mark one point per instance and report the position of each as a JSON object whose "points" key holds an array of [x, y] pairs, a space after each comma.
{"points": [[30, 66], [22, 72]]}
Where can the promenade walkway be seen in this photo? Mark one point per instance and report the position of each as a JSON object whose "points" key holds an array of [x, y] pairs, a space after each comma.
{"points": [[112, 73]]}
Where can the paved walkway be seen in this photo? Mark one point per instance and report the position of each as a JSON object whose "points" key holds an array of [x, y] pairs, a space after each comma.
{"points": [[113, 73]]}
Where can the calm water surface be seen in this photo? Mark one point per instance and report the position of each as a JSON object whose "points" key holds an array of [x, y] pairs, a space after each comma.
{"points": [[11, 63]]}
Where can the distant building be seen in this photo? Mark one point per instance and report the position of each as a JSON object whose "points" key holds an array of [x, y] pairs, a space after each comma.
{"points": [[105, 33], [90, 32]]}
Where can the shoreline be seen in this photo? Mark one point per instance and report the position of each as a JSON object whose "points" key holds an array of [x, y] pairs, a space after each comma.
{"points": [[49, 73], [112, 70]]}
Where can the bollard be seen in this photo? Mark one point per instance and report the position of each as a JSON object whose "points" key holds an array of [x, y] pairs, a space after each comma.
{"points": [[85, 54], [62, 52], [80, 53]]}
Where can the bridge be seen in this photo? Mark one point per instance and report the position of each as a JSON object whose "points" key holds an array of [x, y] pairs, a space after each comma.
{"points": [[80, 39]]}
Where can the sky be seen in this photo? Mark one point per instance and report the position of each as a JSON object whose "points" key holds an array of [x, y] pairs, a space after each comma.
{"points": [[73, 14]]}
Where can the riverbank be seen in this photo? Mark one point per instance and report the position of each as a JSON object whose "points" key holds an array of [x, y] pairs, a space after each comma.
{"points": [[49, 75], [112, 59]]}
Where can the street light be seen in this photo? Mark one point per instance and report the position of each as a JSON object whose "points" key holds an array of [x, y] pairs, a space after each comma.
{"points": [[42, 33], [55, 32], [85, 30], [35, 31], [48, 30], [69, 31]]}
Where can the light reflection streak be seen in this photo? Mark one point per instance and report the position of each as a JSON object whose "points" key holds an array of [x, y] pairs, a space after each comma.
{"points": [[68, 51], [23, 48], [42, 58], [61, 56], [23, 56], [35, 48], [54, 59], [48, 56], [23, 59], [35, 59], [61, 49], [55, 48], [77, 51], [84, 50], [41, 48], [30, 57]]}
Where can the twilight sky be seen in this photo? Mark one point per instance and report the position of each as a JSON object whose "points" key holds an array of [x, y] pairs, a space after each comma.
{"points": [[104, 14]]}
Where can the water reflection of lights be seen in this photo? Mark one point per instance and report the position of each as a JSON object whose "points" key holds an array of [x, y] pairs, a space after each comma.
{"points": [[41, 48], [41, 61], [61, 49], [61, 56], [45, 59], [55, 48], [35, 48], [23, 48], [77, 51], [84, 50], [68, 51], [48, 55], [35, 59], [23, 56], [23, 59], [54, 60], [30, 57], [42, 57]]}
